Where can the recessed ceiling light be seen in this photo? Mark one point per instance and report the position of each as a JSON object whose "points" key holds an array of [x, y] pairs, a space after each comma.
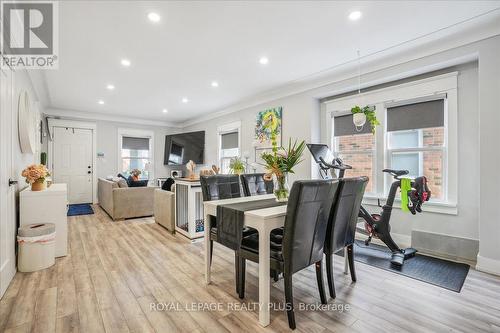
{"points": [[165, 110], [125, 62], [185, 100], [355, 15], [110, 87], [215, 84], [263, 61], [101, 102], [154, 17]]}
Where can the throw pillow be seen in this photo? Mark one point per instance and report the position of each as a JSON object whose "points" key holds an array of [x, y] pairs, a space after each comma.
{"points": [[122, 183]]}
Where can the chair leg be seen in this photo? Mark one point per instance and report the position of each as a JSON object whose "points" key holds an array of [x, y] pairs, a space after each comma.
{"points": [[350, 258], [211, 251], [319, 277], [289, 300], [237, 266], [329, 275], [241, 277]]}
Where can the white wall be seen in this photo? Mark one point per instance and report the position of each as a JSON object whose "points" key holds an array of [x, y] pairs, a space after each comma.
{"points": [[476, 88], [107, 143]]}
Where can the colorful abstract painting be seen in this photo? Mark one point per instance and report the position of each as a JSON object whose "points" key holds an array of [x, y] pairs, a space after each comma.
{"points": [[263, 129]]}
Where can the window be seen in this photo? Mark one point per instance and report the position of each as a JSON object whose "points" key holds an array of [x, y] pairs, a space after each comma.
{"points": [[136, 153], [228, 149], [418, 132], [416, 142], [355, 148]]}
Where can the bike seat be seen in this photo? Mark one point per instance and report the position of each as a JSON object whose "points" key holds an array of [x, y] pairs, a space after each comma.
{"points": [[396, 173]]}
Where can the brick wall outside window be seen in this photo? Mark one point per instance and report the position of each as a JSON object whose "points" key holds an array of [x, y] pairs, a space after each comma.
{"points": [[433, 160], [357, 151]]}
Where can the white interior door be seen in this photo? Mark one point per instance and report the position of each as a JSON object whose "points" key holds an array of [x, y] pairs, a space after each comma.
{"points": [[7, 190], [72, 162]]}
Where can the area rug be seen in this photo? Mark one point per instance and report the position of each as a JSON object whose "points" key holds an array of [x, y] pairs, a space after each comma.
{"points": [[439, 272], [80, 209]]}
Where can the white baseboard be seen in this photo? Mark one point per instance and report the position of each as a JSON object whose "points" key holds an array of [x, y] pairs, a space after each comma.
{"points": [[403, 241], [488, 265]]}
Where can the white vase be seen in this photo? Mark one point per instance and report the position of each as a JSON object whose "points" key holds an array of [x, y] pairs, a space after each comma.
{"points": [[359, 119]]}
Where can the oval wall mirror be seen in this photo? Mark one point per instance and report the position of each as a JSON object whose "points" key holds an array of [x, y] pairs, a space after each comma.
{"points": [[26, 124]]}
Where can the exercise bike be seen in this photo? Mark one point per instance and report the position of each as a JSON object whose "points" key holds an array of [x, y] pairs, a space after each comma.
{"points": [[377, 225]]}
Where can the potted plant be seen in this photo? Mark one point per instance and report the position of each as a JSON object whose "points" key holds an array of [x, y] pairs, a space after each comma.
{"points": [[280, 162], [35, 175], [236, 166], [361, 115]]}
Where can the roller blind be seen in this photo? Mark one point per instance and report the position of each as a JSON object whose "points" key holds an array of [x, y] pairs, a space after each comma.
{"points": [[343, 125], [416, 115], [229, 140], [135, 143]]}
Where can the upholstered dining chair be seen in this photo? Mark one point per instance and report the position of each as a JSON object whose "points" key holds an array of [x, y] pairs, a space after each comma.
{"points": [[255, 184], [308, 210], [219, 187], [342, 225]]}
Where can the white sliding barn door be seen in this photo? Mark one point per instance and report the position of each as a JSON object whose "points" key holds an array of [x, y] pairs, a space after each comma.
{"points": [[72, 162]]}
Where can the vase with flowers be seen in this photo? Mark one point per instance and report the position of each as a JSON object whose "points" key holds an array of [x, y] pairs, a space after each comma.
{"points": [[280, 162], [35, 175]]}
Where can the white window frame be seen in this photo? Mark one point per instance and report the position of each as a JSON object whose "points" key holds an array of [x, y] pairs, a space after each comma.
{"points": [[425, 89], [225, 129], [137, 133]]}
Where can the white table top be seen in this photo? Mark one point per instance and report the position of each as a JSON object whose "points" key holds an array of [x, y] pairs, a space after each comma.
{"points": [[215, 203], [54, 189]]}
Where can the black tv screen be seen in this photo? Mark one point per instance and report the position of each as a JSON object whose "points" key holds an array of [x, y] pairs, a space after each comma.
{"points": [[180, 148]]}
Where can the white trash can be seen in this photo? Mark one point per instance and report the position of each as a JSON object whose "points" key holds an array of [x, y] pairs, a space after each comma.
{"points": [[36, 246]]}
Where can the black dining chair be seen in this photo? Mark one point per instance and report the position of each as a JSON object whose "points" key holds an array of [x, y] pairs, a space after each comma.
{"points": [[306, 222], [255, 184], [219, 187], [342, 225]]}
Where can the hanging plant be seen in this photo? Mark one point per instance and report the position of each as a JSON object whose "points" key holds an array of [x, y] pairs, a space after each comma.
{"points": [[369, 112]]}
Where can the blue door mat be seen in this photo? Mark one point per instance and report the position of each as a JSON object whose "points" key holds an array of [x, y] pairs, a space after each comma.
{"points": [[80, 209]]}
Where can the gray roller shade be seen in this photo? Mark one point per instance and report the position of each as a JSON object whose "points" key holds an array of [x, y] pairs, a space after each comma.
{"points": [[229, 140], [343, 125], [135, 143], [416, 115]]}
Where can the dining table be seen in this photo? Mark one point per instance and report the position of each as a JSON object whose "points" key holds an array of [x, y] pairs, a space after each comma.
{"points": [[263, 220]]}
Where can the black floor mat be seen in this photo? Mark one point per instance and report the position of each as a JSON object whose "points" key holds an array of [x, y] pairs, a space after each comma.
{"points": [[439, 272]]}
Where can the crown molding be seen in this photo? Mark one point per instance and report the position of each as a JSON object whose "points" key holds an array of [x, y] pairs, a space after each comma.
{"points": [[83, 115], [477, 29]]}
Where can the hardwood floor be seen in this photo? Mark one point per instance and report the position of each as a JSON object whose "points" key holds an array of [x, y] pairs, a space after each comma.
{"points": [[115, 271]]}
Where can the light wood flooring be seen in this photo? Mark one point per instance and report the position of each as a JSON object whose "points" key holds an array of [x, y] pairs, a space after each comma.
{"points": [[115, 270]]}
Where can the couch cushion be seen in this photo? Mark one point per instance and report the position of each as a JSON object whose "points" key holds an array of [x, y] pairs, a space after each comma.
{"points": [[122, 183]]}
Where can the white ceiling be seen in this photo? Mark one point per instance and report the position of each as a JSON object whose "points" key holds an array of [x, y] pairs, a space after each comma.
{"points": [[197, 42]]}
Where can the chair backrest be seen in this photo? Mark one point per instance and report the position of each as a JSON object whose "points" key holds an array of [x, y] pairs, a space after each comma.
{"points": [[342, 222], [308, 210], [220, 187], [255, 184]]}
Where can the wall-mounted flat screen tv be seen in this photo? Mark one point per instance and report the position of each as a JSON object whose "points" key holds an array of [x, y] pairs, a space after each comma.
{"points": [[182, 147]]}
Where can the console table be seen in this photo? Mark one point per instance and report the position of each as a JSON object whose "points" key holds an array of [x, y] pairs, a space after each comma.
{"points": [[189, 208]]}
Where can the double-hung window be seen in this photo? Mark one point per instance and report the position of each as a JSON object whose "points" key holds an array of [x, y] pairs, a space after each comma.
{"points": [[228, 149], [355, 148], [416, 141], [136, 153]]}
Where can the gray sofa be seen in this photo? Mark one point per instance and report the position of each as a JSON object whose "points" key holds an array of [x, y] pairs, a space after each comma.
{"points": [[164, 209], [126, 202]]}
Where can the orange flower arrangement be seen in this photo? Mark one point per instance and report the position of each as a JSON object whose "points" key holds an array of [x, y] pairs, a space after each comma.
{"points": [[35, 173]]}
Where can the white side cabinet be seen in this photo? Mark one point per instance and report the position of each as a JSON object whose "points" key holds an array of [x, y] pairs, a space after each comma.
{"points": [[47, 206]]}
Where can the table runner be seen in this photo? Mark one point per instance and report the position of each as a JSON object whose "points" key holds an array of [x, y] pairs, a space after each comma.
{"points": [[230, 219]]}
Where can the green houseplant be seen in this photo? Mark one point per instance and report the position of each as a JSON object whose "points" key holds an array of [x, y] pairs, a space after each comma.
{"points": [[369, 115], [280, 162], [236, 166]]}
